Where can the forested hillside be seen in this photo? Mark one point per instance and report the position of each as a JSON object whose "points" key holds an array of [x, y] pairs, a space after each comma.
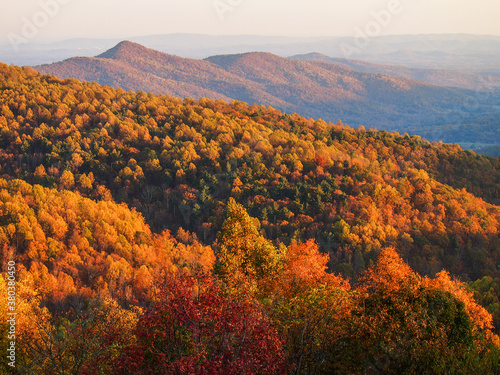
{"points": [[178, 163], [245, 232]]}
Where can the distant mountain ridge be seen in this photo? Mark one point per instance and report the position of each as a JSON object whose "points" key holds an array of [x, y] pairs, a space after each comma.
{"points": [[310, 88], [133, 67], [463, 52], [440, 77]]}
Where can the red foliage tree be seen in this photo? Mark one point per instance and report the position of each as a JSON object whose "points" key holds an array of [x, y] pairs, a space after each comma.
{"points": [[195, 329]]}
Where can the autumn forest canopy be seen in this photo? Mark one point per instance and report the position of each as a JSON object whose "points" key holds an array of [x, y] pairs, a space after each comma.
{"points": [[156, 235]]}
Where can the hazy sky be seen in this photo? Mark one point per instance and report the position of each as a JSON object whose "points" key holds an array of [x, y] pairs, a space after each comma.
{"points": [[49, 20]]}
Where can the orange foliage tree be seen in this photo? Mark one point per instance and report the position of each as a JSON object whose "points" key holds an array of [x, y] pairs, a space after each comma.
{"points": [[403, 323]]}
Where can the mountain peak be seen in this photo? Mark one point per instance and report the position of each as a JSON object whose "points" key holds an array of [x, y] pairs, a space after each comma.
{"points": [[123, 48], [246, 60], [256, 55]]}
